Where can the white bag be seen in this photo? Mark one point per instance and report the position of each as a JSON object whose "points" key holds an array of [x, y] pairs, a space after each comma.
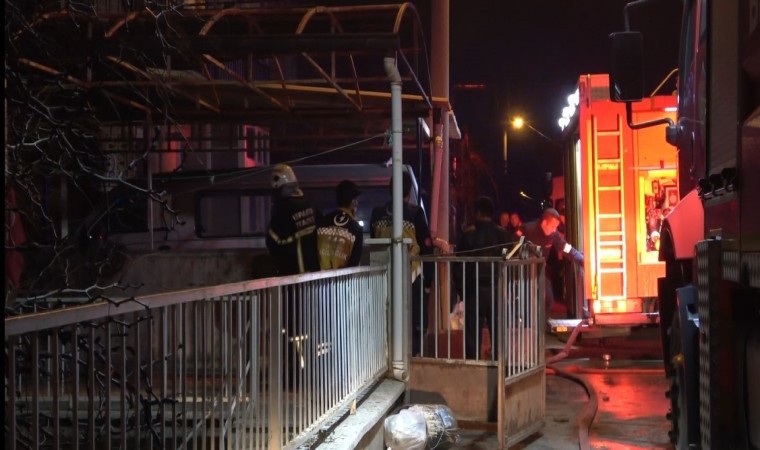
{"points": [[406, 430], [456, 318]]}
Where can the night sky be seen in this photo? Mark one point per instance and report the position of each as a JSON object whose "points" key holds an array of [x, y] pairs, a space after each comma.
{"points": [[529, 55]]}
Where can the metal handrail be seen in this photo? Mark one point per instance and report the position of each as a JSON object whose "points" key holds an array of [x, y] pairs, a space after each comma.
{"points": [[255, 364], [41, 320]]}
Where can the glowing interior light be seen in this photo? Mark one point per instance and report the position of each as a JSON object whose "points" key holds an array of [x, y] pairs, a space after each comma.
{"points": [[671, 109], [597, 306], [569, 111], [574, 98]]}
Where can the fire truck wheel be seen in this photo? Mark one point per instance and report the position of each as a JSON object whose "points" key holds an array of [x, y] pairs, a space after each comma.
{"points": [[677, 393]]}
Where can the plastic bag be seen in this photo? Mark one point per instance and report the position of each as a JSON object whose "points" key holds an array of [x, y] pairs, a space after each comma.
{"points": [[441, 426], [405, 430]]}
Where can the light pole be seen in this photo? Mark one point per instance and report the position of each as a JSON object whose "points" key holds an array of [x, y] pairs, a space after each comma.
{"points": [[505, 150], [517, 122]]}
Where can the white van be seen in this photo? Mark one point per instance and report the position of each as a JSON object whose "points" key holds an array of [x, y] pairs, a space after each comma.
{"points": [[219, 233]]}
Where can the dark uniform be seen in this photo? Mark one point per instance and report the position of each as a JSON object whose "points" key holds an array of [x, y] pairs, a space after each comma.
{"points": [[339, 240], [415, 227], [292, 235], [292, 241], [535, 234], [485, 238]]}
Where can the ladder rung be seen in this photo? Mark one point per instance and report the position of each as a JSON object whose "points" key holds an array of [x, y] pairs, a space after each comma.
{"points": [[610, 243], [608, 188], [610, 233], [610, 216], [601, 161], [607, 132], [611, 270]]}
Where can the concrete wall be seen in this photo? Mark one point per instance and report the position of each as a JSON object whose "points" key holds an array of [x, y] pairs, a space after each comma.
{"points": [[469, 390], [162, 271]]}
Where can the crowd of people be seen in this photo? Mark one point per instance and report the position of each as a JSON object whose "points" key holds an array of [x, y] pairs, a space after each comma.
{"points": [[301, 239]]}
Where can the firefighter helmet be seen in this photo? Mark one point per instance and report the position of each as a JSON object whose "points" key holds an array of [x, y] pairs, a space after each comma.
{"points": [[282, 174]]}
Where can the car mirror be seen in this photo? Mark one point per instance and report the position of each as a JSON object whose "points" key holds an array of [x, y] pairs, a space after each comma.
{"points": [[627, 69]]}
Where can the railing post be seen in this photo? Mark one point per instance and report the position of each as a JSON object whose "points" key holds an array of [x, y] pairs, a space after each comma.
{"points": [[501, 351], [275, 366]]}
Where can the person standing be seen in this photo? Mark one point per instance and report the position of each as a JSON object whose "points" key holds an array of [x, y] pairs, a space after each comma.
{"points": [[515, 222], [543, 233], [339, 236], [415, 227], [480, 287], [504, 219], [292, 235], [292, 241]]}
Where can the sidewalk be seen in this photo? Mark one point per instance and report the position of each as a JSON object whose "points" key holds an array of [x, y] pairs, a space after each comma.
{"points": [[629, 389], [565, 401]]}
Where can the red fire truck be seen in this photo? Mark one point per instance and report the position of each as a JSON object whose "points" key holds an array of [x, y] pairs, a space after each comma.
{"points": [[709, 297], [619, 184]]}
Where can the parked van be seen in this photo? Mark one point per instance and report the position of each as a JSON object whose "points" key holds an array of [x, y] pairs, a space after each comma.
{"points": [[218, 232]]}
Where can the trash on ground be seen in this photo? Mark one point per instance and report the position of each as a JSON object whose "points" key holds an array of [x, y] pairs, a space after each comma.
{"points": [[422, 427]]}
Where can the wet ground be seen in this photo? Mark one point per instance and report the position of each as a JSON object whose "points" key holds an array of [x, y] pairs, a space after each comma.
{"points": [[627, 386]]}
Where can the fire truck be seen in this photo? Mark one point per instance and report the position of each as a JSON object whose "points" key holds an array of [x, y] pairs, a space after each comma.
{"points": [[709, 296], [619, 184]]}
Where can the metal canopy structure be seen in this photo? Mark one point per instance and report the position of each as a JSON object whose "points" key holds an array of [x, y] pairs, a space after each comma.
{"points": [[309, 75]]}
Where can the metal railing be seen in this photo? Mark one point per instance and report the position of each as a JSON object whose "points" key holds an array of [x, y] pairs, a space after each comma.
{"points": [[504, 300], [257, 364], [479, 285]]}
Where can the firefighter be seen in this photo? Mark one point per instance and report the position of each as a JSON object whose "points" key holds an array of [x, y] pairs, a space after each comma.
{"points": [[484, 238], [416, 228], [339, 236], [543, 233], [292, 242], [292, 235]]}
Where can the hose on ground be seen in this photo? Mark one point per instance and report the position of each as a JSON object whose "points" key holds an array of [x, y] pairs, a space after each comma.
{"points": [[586, 418]]}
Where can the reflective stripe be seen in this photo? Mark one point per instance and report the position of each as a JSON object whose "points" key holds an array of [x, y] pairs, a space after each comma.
{"points": [[567, 248], [277, 239], [298, 235]]}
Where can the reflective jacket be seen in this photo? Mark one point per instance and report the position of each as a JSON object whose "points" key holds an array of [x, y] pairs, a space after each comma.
{"points": [[339, 240], [414, 226], [292, 235]]}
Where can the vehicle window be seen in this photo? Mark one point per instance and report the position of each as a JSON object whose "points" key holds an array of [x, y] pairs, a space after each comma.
{"points": [[235, 213], [242, 213]]}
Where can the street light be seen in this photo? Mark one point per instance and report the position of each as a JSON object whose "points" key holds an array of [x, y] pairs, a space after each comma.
{"points": [[518, 123]]}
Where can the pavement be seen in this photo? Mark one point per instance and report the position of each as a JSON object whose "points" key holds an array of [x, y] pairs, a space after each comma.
{"points": [[624, 408]]}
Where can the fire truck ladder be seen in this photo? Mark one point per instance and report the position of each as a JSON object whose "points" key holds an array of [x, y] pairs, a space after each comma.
{"points": [[610, 217]]}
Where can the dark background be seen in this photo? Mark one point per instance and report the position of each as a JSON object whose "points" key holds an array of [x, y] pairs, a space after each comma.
{"points": [[529, 56]]}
